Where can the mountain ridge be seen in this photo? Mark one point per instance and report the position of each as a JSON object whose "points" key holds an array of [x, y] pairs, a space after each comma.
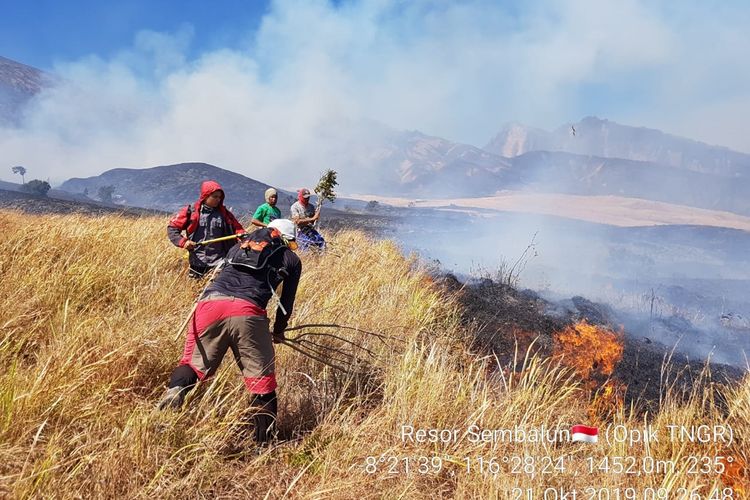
{"points": [[591, 157], [423, 166], [601, 137], [19, 83]]}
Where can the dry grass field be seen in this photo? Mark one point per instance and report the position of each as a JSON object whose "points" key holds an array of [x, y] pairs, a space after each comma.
{"points": [[89, 312]]}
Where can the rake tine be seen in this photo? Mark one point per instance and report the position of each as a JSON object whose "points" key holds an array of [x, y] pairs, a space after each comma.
{"points": [[323, 334], [350, 361], [343, 359], [353, 348], [382, 338], [346, 359], [332, 325], [344, 327], [352, 353], [322, 349], [314, 357]]}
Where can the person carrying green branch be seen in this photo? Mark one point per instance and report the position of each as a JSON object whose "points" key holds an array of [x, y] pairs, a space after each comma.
{"points": [[305, 215]]}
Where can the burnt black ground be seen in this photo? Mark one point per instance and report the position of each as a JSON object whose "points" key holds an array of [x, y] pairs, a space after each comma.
{"points": [[32, 204], [502, 317]]}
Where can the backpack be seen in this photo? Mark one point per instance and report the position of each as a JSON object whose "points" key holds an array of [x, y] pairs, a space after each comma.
{"points": [[255, 249]]}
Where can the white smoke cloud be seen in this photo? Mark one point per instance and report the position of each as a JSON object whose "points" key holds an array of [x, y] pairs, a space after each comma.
{"points": [[289, 100]]}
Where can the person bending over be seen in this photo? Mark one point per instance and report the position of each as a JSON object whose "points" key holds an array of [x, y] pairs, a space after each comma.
{"points": [[232, 314]]}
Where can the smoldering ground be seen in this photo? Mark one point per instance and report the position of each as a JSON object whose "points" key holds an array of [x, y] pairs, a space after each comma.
{"points": [[682, 286]]}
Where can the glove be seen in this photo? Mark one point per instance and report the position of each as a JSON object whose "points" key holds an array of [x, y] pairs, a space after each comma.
{"points": [[279, 326], [279, 337]]}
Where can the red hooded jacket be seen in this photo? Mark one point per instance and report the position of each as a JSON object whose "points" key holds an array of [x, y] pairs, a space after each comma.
{"points": [[182, 223]]}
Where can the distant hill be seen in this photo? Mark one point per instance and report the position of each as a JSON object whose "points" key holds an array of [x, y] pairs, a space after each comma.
{"points": [[18, 84], [171, 187], [55, 193], [557, 172], [373, 223], [410, 163], [414, 164], [607, 139], [9, 186], [423, 165]]}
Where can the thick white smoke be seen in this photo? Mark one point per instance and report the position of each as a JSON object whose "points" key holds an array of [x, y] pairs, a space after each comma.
{"points": [[291, 98]]}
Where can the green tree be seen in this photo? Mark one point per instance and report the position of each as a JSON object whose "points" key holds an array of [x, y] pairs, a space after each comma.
{"points": [[105, 193], [36, 186], [325, 189], [326, 186], [18, 169]]}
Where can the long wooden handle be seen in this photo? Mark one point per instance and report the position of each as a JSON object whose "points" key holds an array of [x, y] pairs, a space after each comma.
{"points": [[187, 320], [216, 240], [195, 304]]}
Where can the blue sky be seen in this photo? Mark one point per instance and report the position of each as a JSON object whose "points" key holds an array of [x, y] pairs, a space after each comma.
{"points": [[40, 32], [265, 87]]}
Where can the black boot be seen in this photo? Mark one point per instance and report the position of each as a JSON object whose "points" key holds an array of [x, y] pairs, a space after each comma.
{"points": [[182, 380], [264, 418]]}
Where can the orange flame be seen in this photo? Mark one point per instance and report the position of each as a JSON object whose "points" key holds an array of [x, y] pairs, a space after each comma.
{"points": [[593, 353], [590, 350], [607, 400], [736, 474]]}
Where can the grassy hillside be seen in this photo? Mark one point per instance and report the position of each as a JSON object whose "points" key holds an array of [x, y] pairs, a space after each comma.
{"points": [[89, 316]]}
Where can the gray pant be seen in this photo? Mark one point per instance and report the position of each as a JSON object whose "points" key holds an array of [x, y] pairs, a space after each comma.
{"points": [[221, 323]]}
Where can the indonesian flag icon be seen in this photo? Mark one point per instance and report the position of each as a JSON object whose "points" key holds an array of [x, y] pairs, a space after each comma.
{"points": [[584, 434]]}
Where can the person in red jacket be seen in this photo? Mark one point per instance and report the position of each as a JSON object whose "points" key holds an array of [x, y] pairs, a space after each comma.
{"points": [[206, 219]]}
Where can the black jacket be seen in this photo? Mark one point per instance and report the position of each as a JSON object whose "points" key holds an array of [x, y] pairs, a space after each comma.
{"points": [[257, 285]]}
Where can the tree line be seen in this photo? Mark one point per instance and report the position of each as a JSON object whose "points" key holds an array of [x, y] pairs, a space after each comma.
{"points": [[40, 187]]}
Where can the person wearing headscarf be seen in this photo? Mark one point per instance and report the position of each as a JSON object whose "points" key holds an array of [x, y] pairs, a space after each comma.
{"points": [[206, 219], [305, 216], [268, 211]]}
